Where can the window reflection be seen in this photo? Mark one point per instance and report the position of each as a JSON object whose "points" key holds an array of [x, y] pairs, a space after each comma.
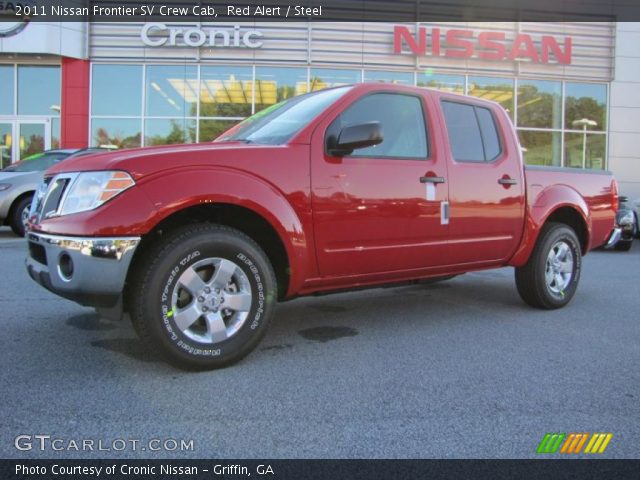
{"points": [[585, 102], [121, 132], [38, 90], [540, 148], [329, 77], [539, 104], [55, 133], [212, 129], [7, 90], [171, 90], [493, 88], [274, 85], [447, 83], [226, 91], [582, 150], [117, 90], [169, 132], [400, 78]]}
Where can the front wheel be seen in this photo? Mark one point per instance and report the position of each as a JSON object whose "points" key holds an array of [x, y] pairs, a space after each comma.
{"points": [[203, 298], [20, 215], [550, 278]]}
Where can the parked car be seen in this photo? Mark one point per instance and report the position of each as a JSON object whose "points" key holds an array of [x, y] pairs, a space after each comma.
{"points": [[18, 183], [627, 221], [342, 188]]}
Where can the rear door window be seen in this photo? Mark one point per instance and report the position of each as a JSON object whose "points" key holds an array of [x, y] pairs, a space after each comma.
{"points": [[473, 136]]}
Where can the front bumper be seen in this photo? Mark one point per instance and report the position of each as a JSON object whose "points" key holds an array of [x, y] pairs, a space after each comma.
{"points": [[616, 233], [90, 271]]}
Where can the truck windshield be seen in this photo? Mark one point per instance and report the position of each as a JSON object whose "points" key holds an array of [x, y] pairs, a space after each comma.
{"points": [[277, 124]]}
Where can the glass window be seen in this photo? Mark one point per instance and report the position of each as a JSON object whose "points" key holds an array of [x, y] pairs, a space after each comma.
{"points": [[116, 90], [540, 148], [330, 77], [585, 105], [55, 133], [226, 91], [39, 90], [582, 149], [402, 122], [278, 123], [489, 131], [401, 78], [539, 104], [171, 91], [121, 132], [212, 129], [447, 83], [38, 162], [7, 90], [493, 88], [6, 143], [274, 85], [463, 129], [169, 132]]}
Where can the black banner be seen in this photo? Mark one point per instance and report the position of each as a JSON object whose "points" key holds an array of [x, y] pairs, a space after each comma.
{"points": [[317, 10], [581, 469]]}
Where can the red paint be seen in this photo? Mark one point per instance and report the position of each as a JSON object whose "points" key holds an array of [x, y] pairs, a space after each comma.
{"points": [[348, 222], [485, 45], [74, 114]]}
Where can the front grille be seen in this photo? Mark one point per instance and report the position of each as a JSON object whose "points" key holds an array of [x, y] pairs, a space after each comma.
{"points": [[54, 194], [49, 196], [38, 253]]}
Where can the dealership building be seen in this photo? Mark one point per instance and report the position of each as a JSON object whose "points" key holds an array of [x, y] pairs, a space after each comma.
{"points": [[571, 89]]}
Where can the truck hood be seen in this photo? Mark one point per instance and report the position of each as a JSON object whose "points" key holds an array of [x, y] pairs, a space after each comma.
{"points": [[140, 162]]}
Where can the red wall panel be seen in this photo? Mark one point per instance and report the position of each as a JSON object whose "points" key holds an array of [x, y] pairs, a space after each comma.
{"points": [[74, 121]]}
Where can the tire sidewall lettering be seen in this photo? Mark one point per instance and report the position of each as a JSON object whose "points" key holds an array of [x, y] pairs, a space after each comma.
{"points": [[178, 339]]}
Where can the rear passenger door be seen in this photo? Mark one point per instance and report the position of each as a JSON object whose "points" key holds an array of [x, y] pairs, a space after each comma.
{"points": [[486, 185]]}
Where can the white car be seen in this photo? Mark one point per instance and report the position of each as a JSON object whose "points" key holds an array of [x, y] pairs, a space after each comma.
{"points": [[18, 183]]}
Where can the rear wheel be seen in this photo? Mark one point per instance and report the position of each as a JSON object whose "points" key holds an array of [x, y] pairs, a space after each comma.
{"points": [[550, 278], [203, 298], [20, 215]]}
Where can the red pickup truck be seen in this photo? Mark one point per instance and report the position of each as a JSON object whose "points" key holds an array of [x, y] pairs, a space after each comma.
{"points": [[343, 188]]}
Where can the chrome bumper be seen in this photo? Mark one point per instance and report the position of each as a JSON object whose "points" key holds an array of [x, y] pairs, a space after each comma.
{"points": [[614, 237], [90, 271]]}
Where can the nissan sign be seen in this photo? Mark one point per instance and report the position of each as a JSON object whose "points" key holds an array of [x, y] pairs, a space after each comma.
{"points": [[11, 10], [159, 35], [459, 43]]}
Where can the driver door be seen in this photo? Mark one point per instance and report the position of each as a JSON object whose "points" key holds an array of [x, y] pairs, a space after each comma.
{"points": [[373, 210]]}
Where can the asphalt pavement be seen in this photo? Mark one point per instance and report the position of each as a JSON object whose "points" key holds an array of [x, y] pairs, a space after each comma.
{"points": [[451, 370]]}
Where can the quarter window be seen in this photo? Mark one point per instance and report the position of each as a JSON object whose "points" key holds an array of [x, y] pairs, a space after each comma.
{"points": [[402, 121], [472, 131]]}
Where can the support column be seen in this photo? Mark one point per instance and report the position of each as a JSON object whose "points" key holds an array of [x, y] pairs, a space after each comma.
{"points": [[74, 115]]}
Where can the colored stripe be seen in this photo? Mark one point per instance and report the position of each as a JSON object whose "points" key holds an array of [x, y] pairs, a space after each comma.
{"points": [[567, 443], [594, 437], [574, 444], [541, 447], [557, 443], [607, 439], [582, 440]]}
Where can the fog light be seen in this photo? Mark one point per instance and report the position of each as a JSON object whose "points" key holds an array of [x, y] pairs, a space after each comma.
{"points": [[65, 266]]}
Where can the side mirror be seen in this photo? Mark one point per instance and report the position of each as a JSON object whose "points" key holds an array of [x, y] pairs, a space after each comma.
{"points": [[353, 137]]}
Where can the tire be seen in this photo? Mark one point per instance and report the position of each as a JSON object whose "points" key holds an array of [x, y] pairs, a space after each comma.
{"points": [[537, 284], [623, 245], [17, 220], [203, 297]]}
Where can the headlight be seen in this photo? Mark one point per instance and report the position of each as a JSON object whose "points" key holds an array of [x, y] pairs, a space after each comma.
{"points": [[625, 217], [4, 186], [89, 190]]}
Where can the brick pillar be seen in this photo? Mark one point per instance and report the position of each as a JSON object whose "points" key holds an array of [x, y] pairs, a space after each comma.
{"points": [[74, 115]]}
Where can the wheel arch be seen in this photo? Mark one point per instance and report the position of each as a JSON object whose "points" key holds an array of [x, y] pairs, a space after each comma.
{"points": [[560, 204]]}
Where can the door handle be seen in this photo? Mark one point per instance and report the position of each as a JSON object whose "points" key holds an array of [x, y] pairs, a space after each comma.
{"points": [[431, 179], [507, 181]]}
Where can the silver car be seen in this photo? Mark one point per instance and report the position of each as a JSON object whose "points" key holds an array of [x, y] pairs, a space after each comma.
{"points": [[18, 183]]}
